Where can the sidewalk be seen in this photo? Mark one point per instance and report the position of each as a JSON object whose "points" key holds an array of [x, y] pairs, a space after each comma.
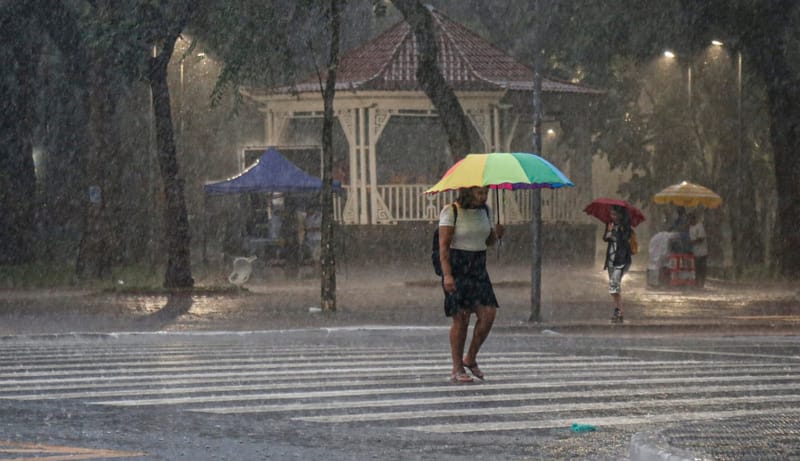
{"points": [[573, 300]]}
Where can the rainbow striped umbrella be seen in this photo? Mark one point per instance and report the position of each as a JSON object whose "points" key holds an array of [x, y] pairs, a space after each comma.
{"points": [[502, 171]]}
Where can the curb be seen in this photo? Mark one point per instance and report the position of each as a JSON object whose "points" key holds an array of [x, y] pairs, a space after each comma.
{"points": [[604, 327]]}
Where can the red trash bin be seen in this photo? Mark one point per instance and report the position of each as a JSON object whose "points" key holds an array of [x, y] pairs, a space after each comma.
{"points": [[681, 269]]}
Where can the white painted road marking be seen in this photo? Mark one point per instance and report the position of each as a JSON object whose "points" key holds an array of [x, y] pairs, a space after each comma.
{"points": [[363, 385]]}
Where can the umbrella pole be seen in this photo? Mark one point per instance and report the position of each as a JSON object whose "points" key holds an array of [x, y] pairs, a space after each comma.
{"points": [[497, 204], [497, 193], [205, 228]]}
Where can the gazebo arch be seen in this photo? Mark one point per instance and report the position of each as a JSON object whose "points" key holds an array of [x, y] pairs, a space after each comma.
{"points": [[376, 83]]}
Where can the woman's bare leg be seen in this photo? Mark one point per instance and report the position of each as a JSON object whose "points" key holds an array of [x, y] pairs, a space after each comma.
{"points": [[480, 332], [458, 337]]}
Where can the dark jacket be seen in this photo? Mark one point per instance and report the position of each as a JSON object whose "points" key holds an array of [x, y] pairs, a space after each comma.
{"points": [[618, 253]]}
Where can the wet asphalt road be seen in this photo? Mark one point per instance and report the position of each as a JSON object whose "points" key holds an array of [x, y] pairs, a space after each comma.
{"points": [[257, 375], [379, 393]]}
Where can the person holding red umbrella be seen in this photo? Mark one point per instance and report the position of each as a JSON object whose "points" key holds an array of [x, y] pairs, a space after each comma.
{"points": [[618, 255]]}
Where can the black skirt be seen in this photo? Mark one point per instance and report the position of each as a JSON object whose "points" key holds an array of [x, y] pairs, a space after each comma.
{"points": [[473, 287]]}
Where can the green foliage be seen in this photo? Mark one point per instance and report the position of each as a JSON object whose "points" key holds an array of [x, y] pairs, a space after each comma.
{"points": [[273, 44], [132, 279], [37, 275], [61, 275], [257, 41]]}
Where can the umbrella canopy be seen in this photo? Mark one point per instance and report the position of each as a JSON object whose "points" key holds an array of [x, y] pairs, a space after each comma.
{"points": [[688, 195], [271, 173], [502, 171], [600, 208]]}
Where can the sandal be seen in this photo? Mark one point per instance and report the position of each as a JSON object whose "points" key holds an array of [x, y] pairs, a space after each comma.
{"points": [[617, 316], [460, 377], [476, 372]]}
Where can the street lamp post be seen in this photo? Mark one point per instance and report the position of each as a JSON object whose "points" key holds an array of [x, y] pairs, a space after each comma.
{"points": [[671, 55], [536, 194], [740, 164], [739, 126], [739, 161]]}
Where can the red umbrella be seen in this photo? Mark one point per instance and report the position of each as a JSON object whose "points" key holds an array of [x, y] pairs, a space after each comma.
{"points": [[600, 208]]}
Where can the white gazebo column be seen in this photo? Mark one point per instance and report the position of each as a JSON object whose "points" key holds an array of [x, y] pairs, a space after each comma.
{"points": [[497, 141], [511, 130], [377, 119], [361, 148], [274, 125], [480, 120], [354, 123], [352, 212]]}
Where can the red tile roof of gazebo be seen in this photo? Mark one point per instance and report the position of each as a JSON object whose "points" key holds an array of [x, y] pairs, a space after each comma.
{"points": [[468, 62]]}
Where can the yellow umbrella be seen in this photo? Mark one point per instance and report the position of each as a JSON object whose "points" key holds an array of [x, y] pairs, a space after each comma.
{"points": [[688, 195]]}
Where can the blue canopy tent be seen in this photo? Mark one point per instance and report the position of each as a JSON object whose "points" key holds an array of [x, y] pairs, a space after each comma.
{"points": [[271, 173]]}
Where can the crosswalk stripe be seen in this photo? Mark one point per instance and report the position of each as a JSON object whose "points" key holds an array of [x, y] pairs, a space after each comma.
{"points": [[209, 355], [405, 387], [198, 387], [28, 377], [412, 390], [267, 354], [266, 369], [510, 397], [713, 353], [139, 366], [597, 421], [547, 408]]}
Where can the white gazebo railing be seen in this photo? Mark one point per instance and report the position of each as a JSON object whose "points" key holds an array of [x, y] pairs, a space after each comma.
{"points": [[407, 202]]}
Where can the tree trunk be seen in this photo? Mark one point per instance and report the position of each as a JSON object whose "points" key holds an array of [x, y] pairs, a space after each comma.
{"points": [[97, 241], [17, 176], [327, 258], [176, 223], [784, 111], [429, 76], [767, 52], [65, 194], [751, 243]]}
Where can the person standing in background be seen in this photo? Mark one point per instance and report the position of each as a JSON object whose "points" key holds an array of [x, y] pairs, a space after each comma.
{"points": [[618, 256], [681, 226], [313, 235], [697, 235], [291, 232]]}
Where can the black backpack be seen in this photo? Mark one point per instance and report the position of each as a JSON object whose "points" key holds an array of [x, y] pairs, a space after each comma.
{"points": [[437, 263]]}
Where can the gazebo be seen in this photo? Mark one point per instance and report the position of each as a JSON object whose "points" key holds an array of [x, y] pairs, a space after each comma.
{"points": [[376, 87]]}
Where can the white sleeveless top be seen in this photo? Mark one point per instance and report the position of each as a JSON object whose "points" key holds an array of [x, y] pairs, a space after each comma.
{"points": [[472, 227]]}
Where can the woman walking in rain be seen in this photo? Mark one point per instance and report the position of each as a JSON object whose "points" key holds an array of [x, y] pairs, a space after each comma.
{"points": [[618, 256], [465, 231]]}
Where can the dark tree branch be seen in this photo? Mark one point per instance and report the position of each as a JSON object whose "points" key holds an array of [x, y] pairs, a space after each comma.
{"points": [[430, 78]]}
